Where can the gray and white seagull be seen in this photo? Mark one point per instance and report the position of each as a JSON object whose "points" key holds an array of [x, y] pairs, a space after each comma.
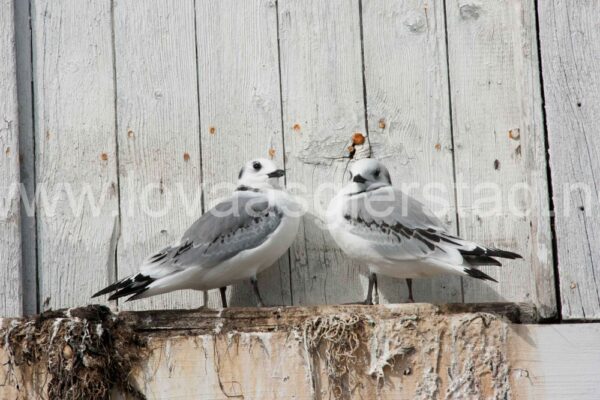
{"points": [[233, 241], [397, 236]]}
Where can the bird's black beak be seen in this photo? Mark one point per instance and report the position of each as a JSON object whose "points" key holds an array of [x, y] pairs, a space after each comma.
{"points": [[358, 179], [276, 174]]}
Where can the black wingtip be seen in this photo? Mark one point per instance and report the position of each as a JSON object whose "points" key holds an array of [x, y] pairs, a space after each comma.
{"points": [[490, 252], [503, 254], [106, 290], [482, 260], [475, 273], [136, 296]]}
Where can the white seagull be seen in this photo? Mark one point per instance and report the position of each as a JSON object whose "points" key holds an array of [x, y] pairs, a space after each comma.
{"points": [[233, 241], [397, 236]]}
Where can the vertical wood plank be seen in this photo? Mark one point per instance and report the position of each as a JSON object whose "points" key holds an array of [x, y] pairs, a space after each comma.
{"points": [[554, 361], [75, 149], [240, 110], [409, 115], [158, 134], [322, 107], [26, 154], [570, 49], [11, 285], [499, 139]]}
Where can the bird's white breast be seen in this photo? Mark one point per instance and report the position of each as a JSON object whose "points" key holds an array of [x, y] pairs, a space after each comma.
{"points": [[353, 245]]}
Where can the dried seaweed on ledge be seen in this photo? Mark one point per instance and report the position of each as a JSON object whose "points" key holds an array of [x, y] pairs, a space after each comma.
{"points": [[87, 352]]}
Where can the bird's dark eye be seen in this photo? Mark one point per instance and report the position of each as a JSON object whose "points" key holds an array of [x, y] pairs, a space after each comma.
{"points": [[256, 165], [377, 172]]}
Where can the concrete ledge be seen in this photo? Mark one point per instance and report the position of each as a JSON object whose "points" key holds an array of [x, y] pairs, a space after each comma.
{"points": [[406, 351]]}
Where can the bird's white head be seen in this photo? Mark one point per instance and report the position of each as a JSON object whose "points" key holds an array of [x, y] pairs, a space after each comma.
{"points": [[260, 174], [367, 174]]}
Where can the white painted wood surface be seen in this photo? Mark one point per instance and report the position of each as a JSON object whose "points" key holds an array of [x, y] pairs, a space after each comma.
{"points": [[75, 149], [570, 41], [323, 107], [11, 283], [240, 113], [498, 136], [158, 134], [408, 110], [555, 361], [198, 92], [26, 155]]}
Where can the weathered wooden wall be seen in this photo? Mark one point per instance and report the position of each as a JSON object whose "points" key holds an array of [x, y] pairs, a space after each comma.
{"points": [[125, 101]]}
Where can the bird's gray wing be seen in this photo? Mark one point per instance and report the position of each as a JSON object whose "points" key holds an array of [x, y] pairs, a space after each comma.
{"points": [[240, 223], [398, 226]]}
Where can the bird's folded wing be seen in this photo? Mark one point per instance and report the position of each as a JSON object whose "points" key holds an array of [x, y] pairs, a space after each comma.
{"points": [[399, 227], [240, 223]]}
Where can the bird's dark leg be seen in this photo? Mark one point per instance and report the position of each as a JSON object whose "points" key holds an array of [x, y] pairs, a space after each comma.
{"points": [[259, 301], [372, 283], [375, 290], [223, 291], [410, 294]]}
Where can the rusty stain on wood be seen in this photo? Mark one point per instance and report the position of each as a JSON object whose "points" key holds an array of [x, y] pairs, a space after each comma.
{"points": [[104, 156], [358, 139], [212, 130], [514, 134], [297, 127], [186, 157]]}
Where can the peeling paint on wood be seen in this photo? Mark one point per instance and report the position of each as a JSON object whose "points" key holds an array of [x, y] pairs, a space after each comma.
{"points": [[415, 351]]}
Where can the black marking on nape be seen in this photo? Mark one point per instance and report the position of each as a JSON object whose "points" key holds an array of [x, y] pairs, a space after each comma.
{"points": [[475, 273], [244, 188], [241, 173], [183, 249]]}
